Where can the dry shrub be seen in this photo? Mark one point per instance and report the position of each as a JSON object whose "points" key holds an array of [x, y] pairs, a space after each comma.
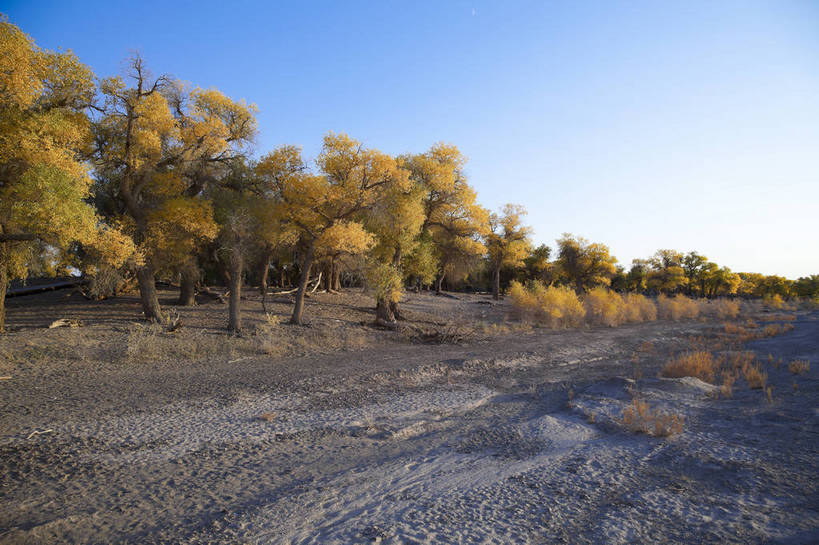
{"points": [[151, 342], [727, 388], [604, 307], [639, 418], [799, 367], [779, 317], [774, 301], [677, 308], [555, 307], [699, 364], [720, 308], [639, 308], [771, 330], [754, 376]]}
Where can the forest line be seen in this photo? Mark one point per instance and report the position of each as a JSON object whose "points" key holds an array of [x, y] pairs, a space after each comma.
{"points": [[149, 178]]}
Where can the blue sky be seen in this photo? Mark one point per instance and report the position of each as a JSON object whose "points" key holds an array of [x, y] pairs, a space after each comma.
{"points": [[644, 125]]}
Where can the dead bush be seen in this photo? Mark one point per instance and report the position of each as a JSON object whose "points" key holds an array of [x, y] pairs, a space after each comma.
{"points": [[754, 376], [799, 367], [639, 418]]}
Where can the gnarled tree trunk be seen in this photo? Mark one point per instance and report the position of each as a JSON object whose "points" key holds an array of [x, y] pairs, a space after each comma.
{"points": [[439, 283], [187, 283], [383, 314], [306, 265], [147, 294]]}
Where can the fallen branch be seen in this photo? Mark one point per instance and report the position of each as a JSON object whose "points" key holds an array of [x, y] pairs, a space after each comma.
{"points": [[5, 378], [64, 322], [39, 432], [210, 293], [318, 282]]}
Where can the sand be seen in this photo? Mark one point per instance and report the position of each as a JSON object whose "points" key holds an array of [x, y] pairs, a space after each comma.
{"points": [[488, 442]]}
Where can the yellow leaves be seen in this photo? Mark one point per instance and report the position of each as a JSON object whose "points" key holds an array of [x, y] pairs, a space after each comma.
{"points": [[177, 227], [20, 67], [49, 202], [344, 237], [112, 248], [508, 241]]}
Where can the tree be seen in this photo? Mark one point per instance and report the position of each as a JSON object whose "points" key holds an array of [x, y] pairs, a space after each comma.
{"points": [[159, 146], [396, 221], [350, 180], [538, 266], [454, 223], [507, 242], [44, 143], [666, 273], [807, 287], [697, 269], [584, 264]]}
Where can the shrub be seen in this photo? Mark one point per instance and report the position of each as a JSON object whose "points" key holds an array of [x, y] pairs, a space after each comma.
{"points": [[773, 301], [639, 418], [604, 307], [677, 308], [639, 308], [754, 376], [699, 364], [720, 308], [799, 367], [553, 306]]}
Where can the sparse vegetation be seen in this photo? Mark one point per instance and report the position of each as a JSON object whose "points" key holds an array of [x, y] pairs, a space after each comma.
{"points": [[699, 364], [799, 367], [640, 418]]}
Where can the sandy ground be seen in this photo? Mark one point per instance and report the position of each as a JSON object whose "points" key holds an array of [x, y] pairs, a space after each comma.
{"points": [[513, 438]]}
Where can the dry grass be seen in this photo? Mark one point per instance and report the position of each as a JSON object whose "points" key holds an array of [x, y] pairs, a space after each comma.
{"points": [[151, 342], [677, 308], [700, 364], [727, 388], [799, 367], [719, 308], [640, 418], [754, 376]]}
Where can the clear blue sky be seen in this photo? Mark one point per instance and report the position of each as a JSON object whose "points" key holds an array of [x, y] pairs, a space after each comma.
{"points": [[643, 125]]}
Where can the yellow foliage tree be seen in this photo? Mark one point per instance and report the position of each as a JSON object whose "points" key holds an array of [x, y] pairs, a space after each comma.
{"points": [[507, 242], [453, 221], [44, 143], [350, 181], [159, 145], [585, 264]]}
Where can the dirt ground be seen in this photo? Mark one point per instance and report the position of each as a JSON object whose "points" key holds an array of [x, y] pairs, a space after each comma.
{"points": [[460, 427]]}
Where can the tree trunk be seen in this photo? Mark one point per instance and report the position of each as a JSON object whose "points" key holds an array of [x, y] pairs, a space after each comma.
{"points": [[187, 283], [336, 277], [394, 305], [147, 294], [496, 283], [234, 307], [383, 313], [282, 278], [439, 283], [4, 283], [264, 272], [306, 264]]}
